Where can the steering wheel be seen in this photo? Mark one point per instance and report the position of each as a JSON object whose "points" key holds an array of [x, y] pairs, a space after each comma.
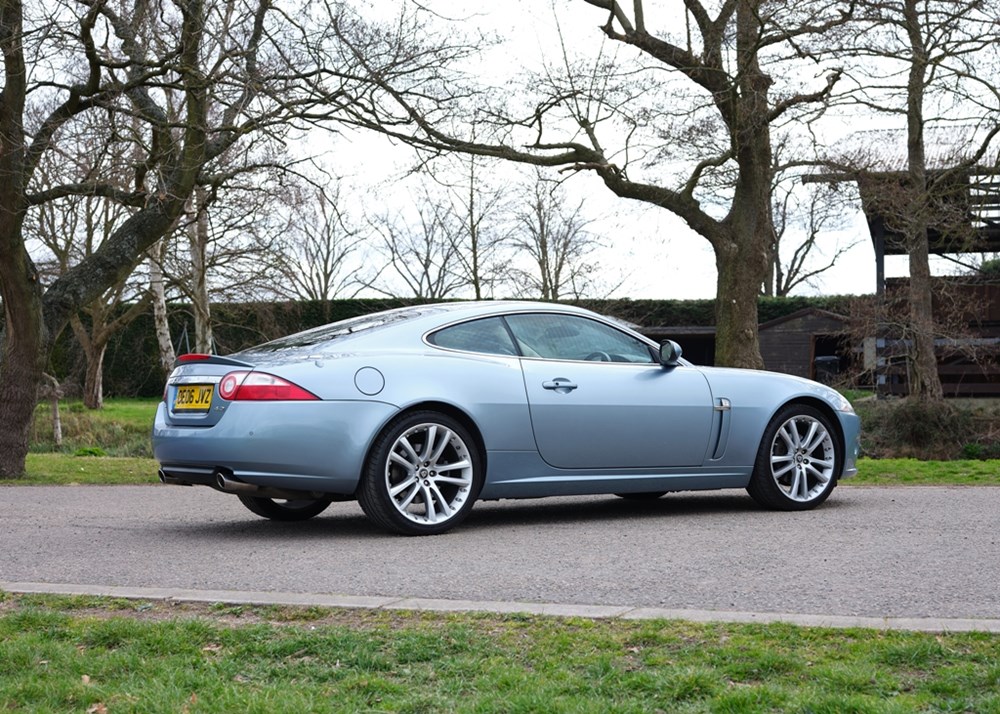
{"points": [[598, 357]]}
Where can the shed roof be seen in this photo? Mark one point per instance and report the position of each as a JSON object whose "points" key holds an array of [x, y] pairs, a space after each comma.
{"points": [[799, 314]]}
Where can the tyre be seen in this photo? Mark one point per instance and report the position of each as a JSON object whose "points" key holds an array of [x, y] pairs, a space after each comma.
{"points": [[422, 476], [798, 462], [285, 510]]}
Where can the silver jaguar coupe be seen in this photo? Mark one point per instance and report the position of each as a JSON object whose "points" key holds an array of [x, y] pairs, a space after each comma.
{"points": [[418, 412]]}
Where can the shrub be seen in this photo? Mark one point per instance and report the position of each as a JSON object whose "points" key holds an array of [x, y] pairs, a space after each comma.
{"points": [[909, 428], [90, 451]]}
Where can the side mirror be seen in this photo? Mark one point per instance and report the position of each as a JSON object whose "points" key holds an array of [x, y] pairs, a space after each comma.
{"points": [[670, 353]]}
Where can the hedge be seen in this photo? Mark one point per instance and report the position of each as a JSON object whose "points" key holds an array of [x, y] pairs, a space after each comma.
{"points": [[131, 366]]}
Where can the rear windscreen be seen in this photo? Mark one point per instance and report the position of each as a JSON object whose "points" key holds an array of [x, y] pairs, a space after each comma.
{"points": [[344, 328]]}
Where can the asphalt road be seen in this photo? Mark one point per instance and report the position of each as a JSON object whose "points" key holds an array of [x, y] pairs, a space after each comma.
{"points": [[872, 552]]}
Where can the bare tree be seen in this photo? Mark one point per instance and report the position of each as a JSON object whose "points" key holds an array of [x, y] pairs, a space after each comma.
{"points": [[313, 255], [478, 225], [158, 64], [73, 228], [729, 77], [422, 252], [158, 298], [198, 236], [555, 238], [804, 215]]}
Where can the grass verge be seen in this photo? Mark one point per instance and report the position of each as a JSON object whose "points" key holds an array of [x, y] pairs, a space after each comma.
{"points": [[903, 472], [93, 655], [121, 428], [54, 469]]}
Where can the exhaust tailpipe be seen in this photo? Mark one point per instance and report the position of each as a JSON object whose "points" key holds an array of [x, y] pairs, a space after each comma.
{"points": [[171, 480], [227, 484]]}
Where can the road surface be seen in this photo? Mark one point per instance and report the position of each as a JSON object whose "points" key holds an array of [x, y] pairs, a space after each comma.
{"points": [[914, 552]]}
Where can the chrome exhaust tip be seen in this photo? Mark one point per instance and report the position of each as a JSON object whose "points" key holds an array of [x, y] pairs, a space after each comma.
{"points": [[171, 480], [225, 482]]}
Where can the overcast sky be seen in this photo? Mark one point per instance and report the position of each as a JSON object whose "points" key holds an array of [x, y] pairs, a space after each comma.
{"points": [[655, 252]]}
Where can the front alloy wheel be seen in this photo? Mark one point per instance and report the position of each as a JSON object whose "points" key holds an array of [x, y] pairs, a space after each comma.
{"points": [[423, 475], [798, 462]]}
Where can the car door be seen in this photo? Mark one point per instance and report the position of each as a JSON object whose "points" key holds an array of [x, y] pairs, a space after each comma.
{"points": [[597, 398]]}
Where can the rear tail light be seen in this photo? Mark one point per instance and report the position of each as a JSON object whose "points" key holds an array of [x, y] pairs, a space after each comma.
{"points": [[261, 387], [230, 384]]}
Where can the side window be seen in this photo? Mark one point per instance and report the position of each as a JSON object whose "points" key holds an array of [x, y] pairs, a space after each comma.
{"points": [[575, 338], [488, 336]]}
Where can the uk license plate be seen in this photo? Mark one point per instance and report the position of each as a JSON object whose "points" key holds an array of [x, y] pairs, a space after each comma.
{"points": [[193, 398]]}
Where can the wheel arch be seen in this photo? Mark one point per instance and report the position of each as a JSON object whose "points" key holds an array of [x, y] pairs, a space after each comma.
{"points": [[459, 415]]}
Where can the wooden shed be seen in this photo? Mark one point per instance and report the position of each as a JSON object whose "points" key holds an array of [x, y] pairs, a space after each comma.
{"points": [[807, 343]]}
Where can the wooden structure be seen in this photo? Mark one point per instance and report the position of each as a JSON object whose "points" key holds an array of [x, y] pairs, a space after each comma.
{"points": [[818, 344], [965, 201], [697, 342], [967, 220], [968, 364], [809, 343], [967, 210]]}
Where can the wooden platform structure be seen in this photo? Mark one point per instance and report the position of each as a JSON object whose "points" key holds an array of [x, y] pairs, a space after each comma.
{"points": [[968, 211], [964, 195], [967, 220]]}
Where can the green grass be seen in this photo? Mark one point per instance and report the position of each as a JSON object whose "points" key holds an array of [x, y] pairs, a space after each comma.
{"points": [[56, 469], [77, 655], [902, 472], [121, 428]]}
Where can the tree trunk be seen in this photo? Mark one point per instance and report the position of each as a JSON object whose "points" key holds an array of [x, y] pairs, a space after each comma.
{"points": [[161, 324], [198, 235], [52, 390], [22, 357], [21, 353], [93, 381], [740, 275], [926, 382], [744, 244]]}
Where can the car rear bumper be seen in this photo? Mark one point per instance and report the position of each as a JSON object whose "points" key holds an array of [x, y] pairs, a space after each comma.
{"points": [[309, 446]]}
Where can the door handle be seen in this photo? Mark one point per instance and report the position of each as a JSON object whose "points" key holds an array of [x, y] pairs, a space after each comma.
{"points": [[559, 384]]}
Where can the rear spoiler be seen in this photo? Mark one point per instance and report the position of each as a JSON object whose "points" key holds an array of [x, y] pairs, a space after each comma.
{"points": [[211, 359]]}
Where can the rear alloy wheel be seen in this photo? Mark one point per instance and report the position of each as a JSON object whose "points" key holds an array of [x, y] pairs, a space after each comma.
{"points": [[423, 475], [300, 509], [798, 461]]}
